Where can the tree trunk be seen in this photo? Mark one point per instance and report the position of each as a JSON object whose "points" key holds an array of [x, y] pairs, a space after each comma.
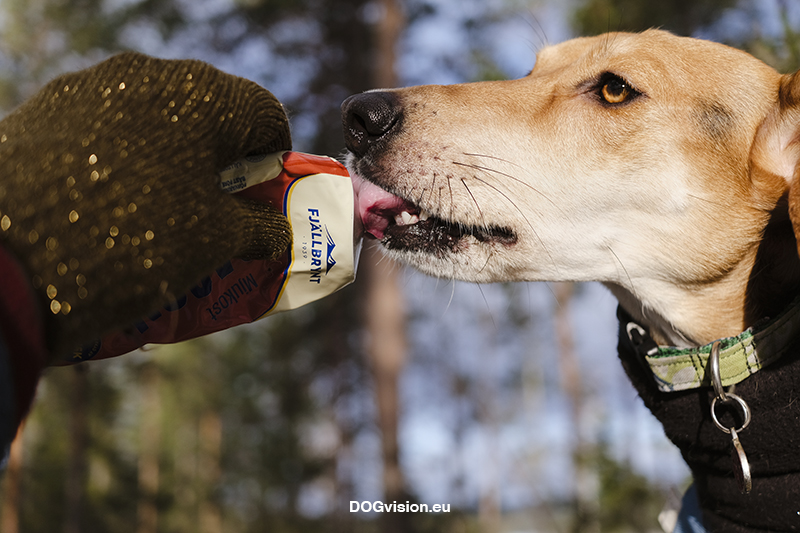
{"points": [[585, 499], [75, 483], [210, 471], [386, 351], [385, 309], [13, 486], [149, 448]]}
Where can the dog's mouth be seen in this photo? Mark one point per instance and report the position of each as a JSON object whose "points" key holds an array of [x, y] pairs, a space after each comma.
{"points": [[400, 224]]}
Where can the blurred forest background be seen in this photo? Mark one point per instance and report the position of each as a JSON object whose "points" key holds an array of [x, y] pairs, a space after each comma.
{"points": [[504, 401]]}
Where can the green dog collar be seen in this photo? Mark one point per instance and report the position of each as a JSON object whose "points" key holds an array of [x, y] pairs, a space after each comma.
{"points": [[677, 369]]}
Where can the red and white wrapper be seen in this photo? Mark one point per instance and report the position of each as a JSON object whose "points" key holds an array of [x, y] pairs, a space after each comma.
{"points": [[316, 195]]}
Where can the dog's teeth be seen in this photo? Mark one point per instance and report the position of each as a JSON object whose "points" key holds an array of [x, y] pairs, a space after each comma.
{"points": [[424, 215], [407, 218]]}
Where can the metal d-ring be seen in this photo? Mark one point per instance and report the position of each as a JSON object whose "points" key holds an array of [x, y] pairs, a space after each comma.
{"points": [[742, 404], [741, 466], [721, 395], [713, 363]]}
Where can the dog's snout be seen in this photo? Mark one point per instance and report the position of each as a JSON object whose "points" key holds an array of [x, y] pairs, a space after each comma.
{"points": [[367, 118]]}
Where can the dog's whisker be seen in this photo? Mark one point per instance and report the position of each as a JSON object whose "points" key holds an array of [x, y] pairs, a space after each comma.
{"points": [[490, 170], [433, 188], [487, 156], [553, 294], [452, 292], [524, 217], [488, 307], [504, 195], [382, 259], [452, 198], [486, 263], [625, 270], [454, 274], [421, 195], [474, 201], [452, 282], [439, 207], [539, 30], [521, 182], [501, 160]]}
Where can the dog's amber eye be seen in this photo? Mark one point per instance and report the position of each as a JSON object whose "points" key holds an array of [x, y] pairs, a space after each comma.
{"points": [[616, 91]]}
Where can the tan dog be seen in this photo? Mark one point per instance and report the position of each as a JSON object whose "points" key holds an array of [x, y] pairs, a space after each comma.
{"points": [[658, 165]]}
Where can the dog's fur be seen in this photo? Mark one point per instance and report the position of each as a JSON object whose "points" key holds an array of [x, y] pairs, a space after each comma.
{"points": [[677, 198], [664, 198]]}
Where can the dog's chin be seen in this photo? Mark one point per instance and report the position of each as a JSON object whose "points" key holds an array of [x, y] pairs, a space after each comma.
{"points": [[417, 234]]}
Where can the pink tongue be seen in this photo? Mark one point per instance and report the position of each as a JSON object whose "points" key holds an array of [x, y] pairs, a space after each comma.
{"points": [[376, 207]]}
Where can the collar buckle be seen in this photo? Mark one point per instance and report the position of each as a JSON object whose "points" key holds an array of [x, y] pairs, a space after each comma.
{"points": [[641, 340]]}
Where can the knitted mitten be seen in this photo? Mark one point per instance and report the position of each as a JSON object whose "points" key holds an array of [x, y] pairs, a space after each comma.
{"points": [[109, 194]]}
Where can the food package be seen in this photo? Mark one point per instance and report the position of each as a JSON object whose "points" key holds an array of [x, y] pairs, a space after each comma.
{"points": [[316, 195]]}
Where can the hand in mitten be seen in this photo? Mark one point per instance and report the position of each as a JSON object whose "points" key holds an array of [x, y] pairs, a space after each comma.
{"points": [[109, 194]]}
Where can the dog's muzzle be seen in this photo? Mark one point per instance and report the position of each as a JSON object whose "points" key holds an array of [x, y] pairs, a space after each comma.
{"points": [[369, 118]]}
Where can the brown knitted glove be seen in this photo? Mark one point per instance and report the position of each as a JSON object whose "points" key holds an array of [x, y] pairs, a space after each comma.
{"points": [[109, 191]]}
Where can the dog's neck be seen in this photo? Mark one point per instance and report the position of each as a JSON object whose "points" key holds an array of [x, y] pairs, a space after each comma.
{"points": [[762, 285], [687, 318]]}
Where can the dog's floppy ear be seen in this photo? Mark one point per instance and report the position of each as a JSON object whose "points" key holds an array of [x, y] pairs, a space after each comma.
{"points": [[777, 147]]}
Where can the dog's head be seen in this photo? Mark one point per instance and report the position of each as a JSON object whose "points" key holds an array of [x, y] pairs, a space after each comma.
{"points": [[646, 161]]}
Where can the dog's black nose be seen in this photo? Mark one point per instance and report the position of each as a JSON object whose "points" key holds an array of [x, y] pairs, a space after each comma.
{"points": [[368, 117]]}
